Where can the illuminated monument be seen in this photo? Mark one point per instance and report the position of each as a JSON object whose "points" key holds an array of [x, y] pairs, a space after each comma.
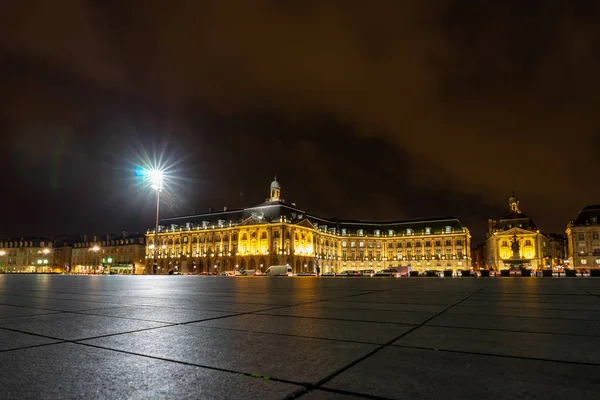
{"points": [[278, 233], [514, 241]]}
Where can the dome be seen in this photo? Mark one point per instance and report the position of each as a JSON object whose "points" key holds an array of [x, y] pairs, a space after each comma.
{"points": [[513, 199], [275, 184]]}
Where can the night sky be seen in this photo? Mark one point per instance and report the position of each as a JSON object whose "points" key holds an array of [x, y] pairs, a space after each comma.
{"points": [[364, 110]]}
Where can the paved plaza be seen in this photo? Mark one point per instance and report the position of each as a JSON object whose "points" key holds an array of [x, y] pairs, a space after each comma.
{"points": [[151, 337]]}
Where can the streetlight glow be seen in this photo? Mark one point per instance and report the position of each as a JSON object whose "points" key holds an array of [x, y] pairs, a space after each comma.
{"points": [[156, 178]]}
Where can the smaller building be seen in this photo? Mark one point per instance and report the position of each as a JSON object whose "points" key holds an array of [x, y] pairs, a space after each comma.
{"points": [[27, 255], [109, 254], [583, 239], [515, 241]]}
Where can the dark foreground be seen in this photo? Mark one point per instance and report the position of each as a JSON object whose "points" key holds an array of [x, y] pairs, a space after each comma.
{"points": [[141, 337]]}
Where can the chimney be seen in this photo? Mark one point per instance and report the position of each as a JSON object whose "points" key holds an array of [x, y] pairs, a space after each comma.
{"points": [[225, 208]]}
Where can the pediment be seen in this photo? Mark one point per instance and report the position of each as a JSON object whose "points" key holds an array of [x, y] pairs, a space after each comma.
{"points": [[516, 231], [252, 221], [306, 224]]}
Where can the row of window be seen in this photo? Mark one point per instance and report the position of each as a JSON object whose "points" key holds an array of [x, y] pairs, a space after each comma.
{"points": [[505, 243], [390, 245], [595, 236], [23, 244], [110, 242], [391, 232], [584, 261]]}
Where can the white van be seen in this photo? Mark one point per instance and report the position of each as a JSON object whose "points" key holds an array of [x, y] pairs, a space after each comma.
{"points": [[279, 270]]}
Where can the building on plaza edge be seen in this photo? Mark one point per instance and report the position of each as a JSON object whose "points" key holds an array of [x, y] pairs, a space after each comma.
{"points": [[515, 242], [108, 254], [28, 254], [277, 233], [583, 239]]}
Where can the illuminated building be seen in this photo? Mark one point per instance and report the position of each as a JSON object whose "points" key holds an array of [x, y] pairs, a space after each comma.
{"points": [[583, 239], [515, 241], [27, 254], [123, 254], [277, 233]]}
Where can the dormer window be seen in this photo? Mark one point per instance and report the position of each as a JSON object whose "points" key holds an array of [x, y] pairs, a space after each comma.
{"points": [[390, 233], [360, 232], [377, 232], [409, 232], [448, 229], [428, 231], [344, 232]]}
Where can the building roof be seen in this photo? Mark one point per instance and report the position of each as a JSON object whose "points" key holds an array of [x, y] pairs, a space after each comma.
{"points": [[274, 211], [589, 215]]}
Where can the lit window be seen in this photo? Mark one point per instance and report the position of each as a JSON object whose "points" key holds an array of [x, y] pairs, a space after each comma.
{"points": [[597, 261], [409, 232], [448, 229], [583, 262], [428, 231]]}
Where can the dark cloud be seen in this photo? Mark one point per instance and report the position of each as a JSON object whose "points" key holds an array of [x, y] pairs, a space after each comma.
{"points": [[392, 109]]}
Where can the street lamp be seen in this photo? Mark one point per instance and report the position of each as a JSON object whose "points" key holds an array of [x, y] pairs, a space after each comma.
{"points": [[156, 178], [95, 249], [2, 254]]}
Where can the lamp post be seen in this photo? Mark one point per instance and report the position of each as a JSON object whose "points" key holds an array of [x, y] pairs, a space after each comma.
{"points": [[95, 249], [2, 254], [156, 178]]}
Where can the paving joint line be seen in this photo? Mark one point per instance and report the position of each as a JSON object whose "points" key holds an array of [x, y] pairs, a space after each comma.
{"points": [[381, 347], [512, 331], [591, 294], [339, 319], [82, 343], [551, 360], [292, 335]]}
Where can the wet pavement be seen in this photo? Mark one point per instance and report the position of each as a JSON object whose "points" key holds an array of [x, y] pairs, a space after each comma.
{"points": [[140, 337]]}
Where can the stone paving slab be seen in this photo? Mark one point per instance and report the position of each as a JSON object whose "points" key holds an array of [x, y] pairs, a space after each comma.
{"points": [[71, 371], [10, 340], [19, 311], [517, 344], [284, 357], [159, 314], [401, 373], [588, 315], [70, 326], [395, 317], [368, 332], [193, 337], [518, 324]]}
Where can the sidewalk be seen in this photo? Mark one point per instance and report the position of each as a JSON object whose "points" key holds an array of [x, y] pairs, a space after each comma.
{"points": [[141, 337]]}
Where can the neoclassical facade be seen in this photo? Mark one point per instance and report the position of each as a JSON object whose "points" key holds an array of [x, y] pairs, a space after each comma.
{"points": [[110, 254], [583, 238], [277, 233], [27, 254], [515, 241]]}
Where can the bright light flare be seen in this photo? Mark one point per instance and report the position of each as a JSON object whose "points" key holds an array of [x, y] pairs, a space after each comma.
{"points": [[156, 178]]}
